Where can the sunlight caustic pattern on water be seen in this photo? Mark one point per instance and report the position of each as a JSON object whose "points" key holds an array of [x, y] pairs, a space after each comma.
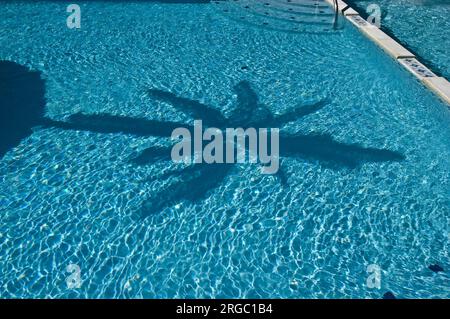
{"points": [[86, 182]]}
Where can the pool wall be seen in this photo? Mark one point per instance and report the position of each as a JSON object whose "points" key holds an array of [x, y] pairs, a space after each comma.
{"points": [[408, 60]]}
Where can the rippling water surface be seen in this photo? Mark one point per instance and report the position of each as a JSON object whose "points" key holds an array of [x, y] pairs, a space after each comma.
{"points": [[422, 25], [370, 184]]}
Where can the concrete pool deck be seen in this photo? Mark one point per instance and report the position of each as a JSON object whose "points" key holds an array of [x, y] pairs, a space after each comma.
{"points": [[409, 61]]}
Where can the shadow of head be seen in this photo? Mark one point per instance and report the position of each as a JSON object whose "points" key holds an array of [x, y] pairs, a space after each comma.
{"points": [[22, 103]]}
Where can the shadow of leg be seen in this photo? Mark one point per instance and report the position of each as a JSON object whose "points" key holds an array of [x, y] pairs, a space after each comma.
{"points": [[193, 185], [153, 154]]}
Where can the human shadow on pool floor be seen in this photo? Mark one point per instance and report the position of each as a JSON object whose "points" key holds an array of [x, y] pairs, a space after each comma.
{"points": [[23, 105], [249, 112], [194, 182]]}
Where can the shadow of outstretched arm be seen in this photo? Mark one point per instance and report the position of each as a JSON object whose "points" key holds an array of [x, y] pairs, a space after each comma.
{"points": [[106, 123], [333, 153], [198, 111], [153, 154], [297, 113]]}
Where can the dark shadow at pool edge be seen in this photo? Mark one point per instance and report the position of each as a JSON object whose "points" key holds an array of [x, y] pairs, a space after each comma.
{"points": [[22, 103]]}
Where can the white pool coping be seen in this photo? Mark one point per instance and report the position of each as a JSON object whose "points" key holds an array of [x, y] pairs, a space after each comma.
{"points": [[438, 85]]}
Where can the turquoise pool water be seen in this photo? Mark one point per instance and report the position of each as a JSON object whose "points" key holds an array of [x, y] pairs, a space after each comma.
{"points": [[368, 184], [421, 25]]}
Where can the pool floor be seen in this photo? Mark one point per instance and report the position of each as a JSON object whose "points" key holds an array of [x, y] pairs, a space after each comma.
{"points": [[368, 186]]}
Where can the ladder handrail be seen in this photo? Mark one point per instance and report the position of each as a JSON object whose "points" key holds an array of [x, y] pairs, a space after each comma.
{"points": [[336, 14]]}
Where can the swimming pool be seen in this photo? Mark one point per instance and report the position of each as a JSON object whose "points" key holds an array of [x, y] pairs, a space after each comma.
{"points": [[371, 188], [423, 26]]}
